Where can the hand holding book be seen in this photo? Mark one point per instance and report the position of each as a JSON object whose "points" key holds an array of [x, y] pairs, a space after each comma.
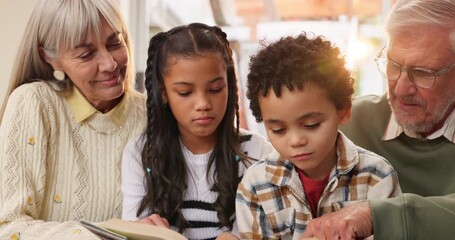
{"points": [[156, 220], [117, 229]]}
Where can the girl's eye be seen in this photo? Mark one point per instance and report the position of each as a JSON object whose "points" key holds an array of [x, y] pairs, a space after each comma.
{"points": [[216, 90], [312, 126], [184, 94]]}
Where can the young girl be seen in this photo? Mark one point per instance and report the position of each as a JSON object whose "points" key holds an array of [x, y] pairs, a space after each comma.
{"points": [[187, 164]]}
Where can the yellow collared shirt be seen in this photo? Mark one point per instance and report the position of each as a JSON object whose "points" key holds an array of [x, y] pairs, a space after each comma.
{"points": [[82, 109]]}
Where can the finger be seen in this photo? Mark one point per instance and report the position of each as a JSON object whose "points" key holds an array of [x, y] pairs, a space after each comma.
{"points": [[157, 220], [145, 221], [166, 222]]}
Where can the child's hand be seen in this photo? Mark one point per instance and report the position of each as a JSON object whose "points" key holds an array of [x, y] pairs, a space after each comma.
{"points": [[227, 236], [155, 220]]}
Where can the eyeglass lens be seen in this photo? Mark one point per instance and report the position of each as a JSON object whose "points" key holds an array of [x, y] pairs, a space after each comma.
{"points": [[392, 71]]}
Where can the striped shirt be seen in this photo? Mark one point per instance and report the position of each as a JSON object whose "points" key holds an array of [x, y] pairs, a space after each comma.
{"points": [[271, 203], [199, 197]]}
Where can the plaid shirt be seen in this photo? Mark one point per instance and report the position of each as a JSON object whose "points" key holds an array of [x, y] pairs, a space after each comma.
{"points": [[271, 203]]}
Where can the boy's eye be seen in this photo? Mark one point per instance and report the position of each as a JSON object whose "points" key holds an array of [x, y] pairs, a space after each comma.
{"points": [[278, 131], [312, 125]]}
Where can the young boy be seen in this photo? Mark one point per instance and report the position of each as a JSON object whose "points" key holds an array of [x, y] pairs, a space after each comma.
{"points": [[302, 91]]}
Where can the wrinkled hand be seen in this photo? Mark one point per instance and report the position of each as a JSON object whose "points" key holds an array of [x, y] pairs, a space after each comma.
{"points": [[155, 220], [351, 222]]}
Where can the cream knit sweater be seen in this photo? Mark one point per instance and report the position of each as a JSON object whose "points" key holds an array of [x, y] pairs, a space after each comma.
{"points": [[56, 170]]}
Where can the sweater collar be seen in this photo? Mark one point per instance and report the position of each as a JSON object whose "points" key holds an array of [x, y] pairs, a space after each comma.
{"points": [[82, 109], [280, 170]]}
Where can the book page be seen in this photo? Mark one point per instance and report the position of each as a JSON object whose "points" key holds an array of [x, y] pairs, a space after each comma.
{"points": [[140, 231], [101, 232]]}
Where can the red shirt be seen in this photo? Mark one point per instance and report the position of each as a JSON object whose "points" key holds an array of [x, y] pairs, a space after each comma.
{"points": [[313, 189]]}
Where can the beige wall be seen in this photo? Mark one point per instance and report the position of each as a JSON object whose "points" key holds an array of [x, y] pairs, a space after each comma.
{"points": [[13, 18]]}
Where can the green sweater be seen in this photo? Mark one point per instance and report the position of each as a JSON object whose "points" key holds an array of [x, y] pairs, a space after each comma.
{"points": [[425, 168]]}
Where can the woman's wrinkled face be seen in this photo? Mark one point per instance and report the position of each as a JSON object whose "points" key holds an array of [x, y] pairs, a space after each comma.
{"points": [[97, 67]]}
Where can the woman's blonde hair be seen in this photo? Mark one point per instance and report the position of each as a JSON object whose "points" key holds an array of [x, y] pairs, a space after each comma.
{"points": [[57, 25]]}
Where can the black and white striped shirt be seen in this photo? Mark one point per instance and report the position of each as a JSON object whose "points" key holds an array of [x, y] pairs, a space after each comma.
{"points": [[199, 198]]}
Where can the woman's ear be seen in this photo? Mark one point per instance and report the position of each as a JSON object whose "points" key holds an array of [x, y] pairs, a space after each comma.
{"points": [[48, 59], [345, 115]]}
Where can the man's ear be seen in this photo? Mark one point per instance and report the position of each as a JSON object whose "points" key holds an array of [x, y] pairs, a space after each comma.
{"points": [[345, 115], [48, 59]]}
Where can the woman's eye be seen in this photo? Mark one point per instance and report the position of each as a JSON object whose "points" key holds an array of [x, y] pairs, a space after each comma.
{"points": [[87, 55], [115, 44]]}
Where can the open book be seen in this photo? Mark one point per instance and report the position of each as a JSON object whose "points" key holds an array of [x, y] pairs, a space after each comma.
{"points": [[117, 229]]}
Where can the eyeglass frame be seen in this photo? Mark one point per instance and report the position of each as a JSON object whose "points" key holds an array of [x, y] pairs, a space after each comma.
{"points": [[403, 68]]}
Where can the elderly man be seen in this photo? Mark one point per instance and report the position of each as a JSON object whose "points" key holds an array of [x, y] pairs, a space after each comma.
{"points": [[413, 126]]}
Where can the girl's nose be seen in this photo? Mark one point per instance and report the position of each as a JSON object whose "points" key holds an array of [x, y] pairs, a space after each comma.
{"points": [[203, 103]]}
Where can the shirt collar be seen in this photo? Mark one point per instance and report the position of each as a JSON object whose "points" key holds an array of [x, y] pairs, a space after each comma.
{"points": [[82, 109], [394, 130]]}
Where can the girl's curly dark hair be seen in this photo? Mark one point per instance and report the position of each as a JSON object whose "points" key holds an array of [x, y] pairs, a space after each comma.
{"points": [[295, 61]]}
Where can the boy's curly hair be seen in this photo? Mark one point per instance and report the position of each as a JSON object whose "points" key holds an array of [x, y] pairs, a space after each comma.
{"points": [[295, 61]]}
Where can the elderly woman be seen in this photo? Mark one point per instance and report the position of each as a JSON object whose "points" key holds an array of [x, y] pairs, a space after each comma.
{"points": [[69, 112]]}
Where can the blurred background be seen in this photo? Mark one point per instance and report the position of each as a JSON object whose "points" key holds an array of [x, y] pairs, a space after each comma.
{"points": [[355, 26]]}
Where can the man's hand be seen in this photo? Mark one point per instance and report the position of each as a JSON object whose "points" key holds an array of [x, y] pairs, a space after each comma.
{"points": [[351, 222], [155, 220]]}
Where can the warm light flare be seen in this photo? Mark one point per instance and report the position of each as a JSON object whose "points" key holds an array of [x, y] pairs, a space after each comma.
{"points": [[358, 50]]}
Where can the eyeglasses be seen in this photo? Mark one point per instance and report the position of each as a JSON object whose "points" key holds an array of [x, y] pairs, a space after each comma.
{"points": [[421, 77]]}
